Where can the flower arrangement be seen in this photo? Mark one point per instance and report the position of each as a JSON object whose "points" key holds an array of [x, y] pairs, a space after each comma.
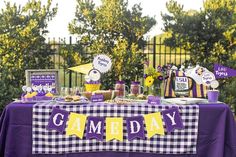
{"points": [[153, 78]]}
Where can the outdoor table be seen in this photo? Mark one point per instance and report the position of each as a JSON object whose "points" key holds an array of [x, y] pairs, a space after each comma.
{"points": [[216, 134]]}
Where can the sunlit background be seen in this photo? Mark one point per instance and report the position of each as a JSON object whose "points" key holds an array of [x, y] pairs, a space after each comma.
{"points": [[66, 9]]}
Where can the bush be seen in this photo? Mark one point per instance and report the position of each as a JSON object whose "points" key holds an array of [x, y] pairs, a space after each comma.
{"points": [[22, 41]]}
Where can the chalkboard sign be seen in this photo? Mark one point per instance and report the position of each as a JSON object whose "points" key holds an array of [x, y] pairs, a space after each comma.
{"points": [[43, 77]]}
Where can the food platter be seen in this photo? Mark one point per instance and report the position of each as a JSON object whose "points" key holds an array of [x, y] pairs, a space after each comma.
{"points": [[186, 101], [62, 101]]}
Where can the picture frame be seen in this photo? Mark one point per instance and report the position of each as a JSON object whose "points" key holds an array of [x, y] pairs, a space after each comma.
{"points": [[43, 77]]}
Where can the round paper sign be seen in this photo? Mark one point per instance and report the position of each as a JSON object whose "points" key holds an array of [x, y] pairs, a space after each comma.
{"points": [[39, 88], [102, 63], [28, 89], [214, 84], [24, 88], [207, 78], [87, 78], [50, 89], [192, 73], [45, 88], [94, 75], [34, 88]]}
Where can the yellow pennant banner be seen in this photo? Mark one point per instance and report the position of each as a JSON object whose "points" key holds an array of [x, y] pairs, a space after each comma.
{"points": [[76, 125], [154, 124], [114, 128], [84, 68]]}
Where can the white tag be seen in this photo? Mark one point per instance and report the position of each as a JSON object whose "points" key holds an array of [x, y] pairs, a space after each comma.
{"points": [[207, 78], [102, 63], [181, 83]]}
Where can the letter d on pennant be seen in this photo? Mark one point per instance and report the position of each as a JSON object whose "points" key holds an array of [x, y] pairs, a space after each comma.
{"points": [[135, 127]]}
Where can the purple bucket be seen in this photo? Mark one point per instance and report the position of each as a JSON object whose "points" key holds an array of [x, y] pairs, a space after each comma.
{"points": [[213, 95]]}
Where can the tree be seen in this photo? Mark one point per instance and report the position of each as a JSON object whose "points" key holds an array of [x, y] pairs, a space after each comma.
{"points": [[209, 35], [22, 44], [204, 33], [113, 29]]}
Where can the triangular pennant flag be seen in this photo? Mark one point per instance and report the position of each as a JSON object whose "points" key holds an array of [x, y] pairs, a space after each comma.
{"points": [[58, 119], [154, 124], [135, 127], [95, 128], [76, 125], [221, 71], [84, 68], [114, 129], [172, 119]]}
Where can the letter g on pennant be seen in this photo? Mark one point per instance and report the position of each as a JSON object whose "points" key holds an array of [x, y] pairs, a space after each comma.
{"points": [[58, 119]]}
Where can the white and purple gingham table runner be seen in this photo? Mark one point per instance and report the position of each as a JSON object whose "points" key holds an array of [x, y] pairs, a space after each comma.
{"points": [[52, 142]]}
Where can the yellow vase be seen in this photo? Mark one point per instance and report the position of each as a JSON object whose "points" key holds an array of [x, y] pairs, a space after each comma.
{"points": [[92, 87]]}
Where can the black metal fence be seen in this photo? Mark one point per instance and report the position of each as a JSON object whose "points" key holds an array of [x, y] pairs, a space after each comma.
{"points": [[156, 52]]}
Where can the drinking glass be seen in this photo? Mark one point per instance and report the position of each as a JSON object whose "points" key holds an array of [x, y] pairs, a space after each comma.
{"points": [[64, 91], [120, 87], [136, 88]]}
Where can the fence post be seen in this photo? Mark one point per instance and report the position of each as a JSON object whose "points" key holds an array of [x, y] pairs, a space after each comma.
{"points": [[70, 72], [154, 52]]}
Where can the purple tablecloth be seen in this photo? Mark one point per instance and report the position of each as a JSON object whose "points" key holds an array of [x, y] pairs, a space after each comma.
{"points": [[216, 135]]}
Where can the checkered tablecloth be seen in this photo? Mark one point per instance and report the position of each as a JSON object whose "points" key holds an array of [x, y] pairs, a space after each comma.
{"points": [[52, 142]]}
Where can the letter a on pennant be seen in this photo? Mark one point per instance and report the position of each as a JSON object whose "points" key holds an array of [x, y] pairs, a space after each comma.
{"points": [[154, 124], [58, 119], [114, 128], [76, 125], [95, 128]]}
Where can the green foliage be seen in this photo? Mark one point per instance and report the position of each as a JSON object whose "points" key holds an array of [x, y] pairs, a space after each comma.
{"points": [[204, 33], [227, 90], [209, 35], [22, 45], [115, 30]]}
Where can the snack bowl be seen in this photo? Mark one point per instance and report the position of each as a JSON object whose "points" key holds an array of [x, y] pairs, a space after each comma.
{"points": [[107, 94], [87, 94]]}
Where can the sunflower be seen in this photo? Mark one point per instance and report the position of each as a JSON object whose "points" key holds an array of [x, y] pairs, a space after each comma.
{"points": [[149, 81]]}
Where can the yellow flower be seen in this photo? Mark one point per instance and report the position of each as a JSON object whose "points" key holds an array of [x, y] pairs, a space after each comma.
{"points": [[149, 81], [157, 74]]}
